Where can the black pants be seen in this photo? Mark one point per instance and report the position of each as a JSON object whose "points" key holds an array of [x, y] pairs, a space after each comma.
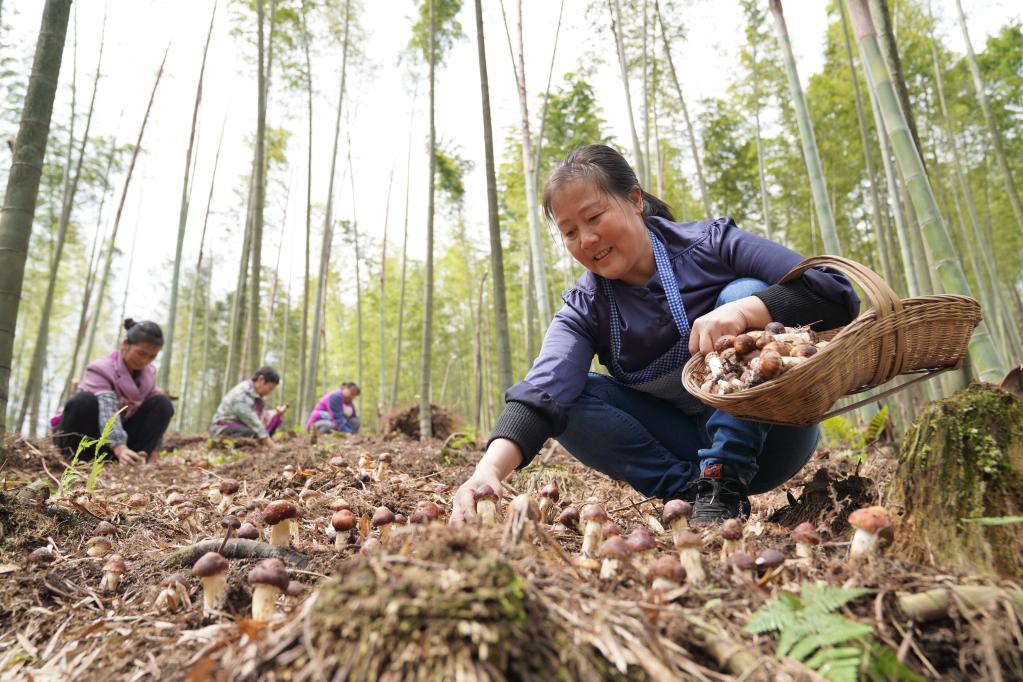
{"points": [[145, 428]]}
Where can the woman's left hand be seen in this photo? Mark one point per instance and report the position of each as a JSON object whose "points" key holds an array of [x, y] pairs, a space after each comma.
{"points": [[730, 318]]}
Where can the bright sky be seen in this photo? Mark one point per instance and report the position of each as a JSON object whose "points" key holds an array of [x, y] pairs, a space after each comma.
{"points": [[138, 31]]}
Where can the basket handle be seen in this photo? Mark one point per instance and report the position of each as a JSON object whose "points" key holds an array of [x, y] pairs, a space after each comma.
{"points": [[880, 296]]}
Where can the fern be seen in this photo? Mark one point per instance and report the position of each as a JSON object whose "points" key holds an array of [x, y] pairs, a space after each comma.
{"points": [[876, 426], [837, 647]]}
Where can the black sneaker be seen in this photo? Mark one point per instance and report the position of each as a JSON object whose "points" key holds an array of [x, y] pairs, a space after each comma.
{"points": [[717, 496]]}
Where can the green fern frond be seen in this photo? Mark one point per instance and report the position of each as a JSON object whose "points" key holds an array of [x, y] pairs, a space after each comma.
{"points": [[885, 665], [876, 426], [819, 631], [824, 598], [839, 431]]}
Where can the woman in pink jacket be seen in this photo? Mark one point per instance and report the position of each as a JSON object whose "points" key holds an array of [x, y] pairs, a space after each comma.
{"points": [[125, 379]]}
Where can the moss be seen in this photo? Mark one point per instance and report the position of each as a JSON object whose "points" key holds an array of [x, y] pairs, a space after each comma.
{"points": [[963, 457]]}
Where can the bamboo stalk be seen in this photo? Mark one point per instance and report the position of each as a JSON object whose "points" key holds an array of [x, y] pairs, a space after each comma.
{"points": [[924, 607], [426, 356]]}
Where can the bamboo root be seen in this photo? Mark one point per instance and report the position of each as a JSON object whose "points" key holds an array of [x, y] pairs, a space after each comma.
{"points": [[234, 549], [934, 604]]}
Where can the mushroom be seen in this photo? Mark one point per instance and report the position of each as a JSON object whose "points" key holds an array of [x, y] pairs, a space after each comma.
{"points": [[567, 521], [174, 594], [175, 498], [255, 518], [609, 528], [278, 515], [230, 524], [486, 504], [371, 547], [613, 552], [186, 515], [744, 343], [288, 471], [770, 563], [113, 569], [869, 522], [744, 567], [804, 350], [307, 495], [247, 531], [806, 539], [775, 328], [383, 467], [522, 515], [643, 546], [105, 528], [98, 546], [228, 489], [364, 466], [426, 512], [689, 545], [594, 516], [268, 579], [665, 574], [337, 461], [731, 538], [137, 500], [549, 496], [213, 493], [294, 590], [339, 504], [382, 519], [211, 569], [676, 516], [42, 555], [342, 521]]}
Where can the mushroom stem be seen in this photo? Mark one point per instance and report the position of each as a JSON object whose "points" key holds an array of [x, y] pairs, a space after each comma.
{"points": [[663, 584], [679, 526], [804, 550], [340, 540], [864, 544], [608, 569], [214, 593], [110, 581], [689, 557], [729, 547], [280, 534], [385, 532], [225, 503], [487, 511], [264, 599], [591, 538]]}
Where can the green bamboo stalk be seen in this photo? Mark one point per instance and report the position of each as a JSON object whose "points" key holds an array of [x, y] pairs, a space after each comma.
{"points": [[825, 217], [983, 355], [617, 28], [426, 356], [404, 258]]}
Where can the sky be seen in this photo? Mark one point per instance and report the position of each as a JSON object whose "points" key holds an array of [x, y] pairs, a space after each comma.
{"points": [[381, 102]]}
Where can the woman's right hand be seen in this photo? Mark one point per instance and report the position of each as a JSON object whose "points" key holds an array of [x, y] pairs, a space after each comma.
{"points": [[127, 456], [500, 459]]}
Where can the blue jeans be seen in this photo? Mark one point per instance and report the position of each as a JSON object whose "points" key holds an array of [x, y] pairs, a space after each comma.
{"points": [[658, 449]]}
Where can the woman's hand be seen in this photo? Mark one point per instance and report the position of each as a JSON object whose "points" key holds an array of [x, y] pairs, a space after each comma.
{"points": [[127, 456], [500, 459], [730, 318]]}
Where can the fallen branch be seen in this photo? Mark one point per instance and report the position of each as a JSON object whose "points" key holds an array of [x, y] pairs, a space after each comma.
{"points": [[234, 549], [934, 604], [732, 656]]}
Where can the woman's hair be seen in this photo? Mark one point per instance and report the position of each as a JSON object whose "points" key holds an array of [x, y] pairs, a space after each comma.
{"points": [[268, 373], [612, 173], [143, 332], [351, 385]]}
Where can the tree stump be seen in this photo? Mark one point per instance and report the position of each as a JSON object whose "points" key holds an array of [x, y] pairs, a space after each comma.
{"points": [[962, 458]]}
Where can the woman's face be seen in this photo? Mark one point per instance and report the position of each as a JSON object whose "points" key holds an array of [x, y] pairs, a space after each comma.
{"points": [[605, 233], [138, 355], [263, 387]]}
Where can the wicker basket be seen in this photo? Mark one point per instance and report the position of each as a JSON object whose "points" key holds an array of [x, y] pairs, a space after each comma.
{"points": [[923, 334]]}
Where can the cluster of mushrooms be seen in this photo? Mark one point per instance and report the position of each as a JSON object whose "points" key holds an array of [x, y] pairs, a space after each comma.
{"points": [[749, 359]]}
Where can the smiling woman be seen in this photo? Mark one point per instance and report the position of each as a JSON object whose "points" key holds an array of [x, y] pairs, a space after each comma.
{"points": [[124, 380]]}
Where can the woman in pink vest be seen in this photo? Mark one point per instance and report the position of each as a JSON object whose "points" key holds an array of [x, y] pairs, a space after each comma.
{"points": [[125, 379], [335, 411]]}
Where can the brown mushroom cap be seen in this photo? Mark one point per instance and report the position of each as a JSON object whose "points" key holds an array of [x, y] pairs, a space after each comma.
{"points": [[775, 328], [295, 589], [485, 492], [666, 567], [870, 519], [138, 500], [688, 539], [105, 528], [569, 517], [342, 520], [806, 533], [254, 504], [609, 528], [370, 547], [593, 512], [270, 572], [99, 540], [400, 519], [42, 555], [641, 540], [209, 564], [430, 508], [615, 548], [176, 498], [676, 509], [278, 511], [382, 517], [551, 492], [229, 486], [337, 461], [731, 529], [770, 558], [230, 522], [172, 579], [248, 532], [742, 561], [339, 504], [384, 457], [115, 564]]}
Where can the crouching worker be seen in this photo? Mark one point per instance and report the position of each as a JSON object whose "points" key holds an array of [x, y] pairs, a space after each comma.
{"points": [[242, 412], [125, 379], [335, 411]]}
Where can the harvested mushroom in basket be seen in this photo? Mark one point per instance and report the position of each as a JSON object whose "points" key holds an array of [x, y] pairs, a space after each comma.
{"points": [[756, 356]]}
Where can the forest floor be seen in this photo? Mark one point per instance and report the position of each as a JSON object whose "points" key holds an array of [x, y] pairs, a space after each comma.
{"points": [[440, 602]]}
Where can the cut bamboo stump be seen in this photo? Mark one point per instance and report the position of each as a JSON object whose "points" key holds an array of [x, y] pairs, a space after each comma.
{"points": [[962, 458]]}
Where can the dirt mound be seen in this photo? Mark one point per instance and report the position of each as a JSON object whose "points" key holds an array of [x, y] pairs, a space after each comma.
{"points": [[407, 422]]}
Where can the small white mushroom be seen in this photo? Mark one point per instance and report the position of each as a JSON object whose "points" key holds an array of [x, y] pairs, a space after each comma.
{"points": [[113, 569], [689, 545], [868, 522], [268, 579]]}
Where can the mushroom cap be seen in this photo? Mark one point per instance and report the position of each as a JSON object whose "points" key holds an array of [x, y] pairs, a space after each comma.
{"points": [[384, 457], [138, 500], [229, 486], [400, 519], [870, 519], [289, 493], [248, 532], [255, 504], [676, 509], [551, 492], [593, 512], [185, 510], [115, 564], [295, 589], [688, 539], [176, 498], [770, 558], [337, 461], [742, 561], [231, 522], [641, 540], [804, 350], [99, 540], [209, 564], [342, 520], [270, 572], [615, 548], [609, 528], [569, 517], [289, 467], [255, 518], [42, 555], [775, 327], [430, 508], [339, 504], [731, 529], [105, 528], [524, 504], [806, 533], [278, 511], [382, 517], [172, 579], [666, 567], [370, 547], [485, 492]]}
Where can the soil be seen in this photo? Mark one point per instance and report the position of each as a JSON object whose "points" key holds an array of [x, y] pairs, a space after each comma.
{"points": [[437, 602]]}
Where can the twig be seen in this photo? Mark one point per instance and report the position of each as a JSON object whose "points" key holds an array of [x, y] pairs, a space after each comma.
{"points": [[634, 504], [234, 549]]}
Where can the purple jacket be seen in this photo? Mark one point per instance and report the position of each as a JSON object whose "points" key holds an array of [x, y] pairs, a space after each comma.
{"points": [[706, 256], [333, 406], [110, 374]]}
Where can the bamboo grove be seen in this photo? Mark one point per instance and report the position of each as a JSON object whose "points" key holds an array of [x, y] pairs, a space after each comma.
{"points": [[899, 152]]}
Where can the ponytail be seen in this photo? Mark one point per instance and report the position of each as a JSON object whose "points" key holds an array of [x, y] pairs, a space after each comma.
{"points": [[143, 332]]}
